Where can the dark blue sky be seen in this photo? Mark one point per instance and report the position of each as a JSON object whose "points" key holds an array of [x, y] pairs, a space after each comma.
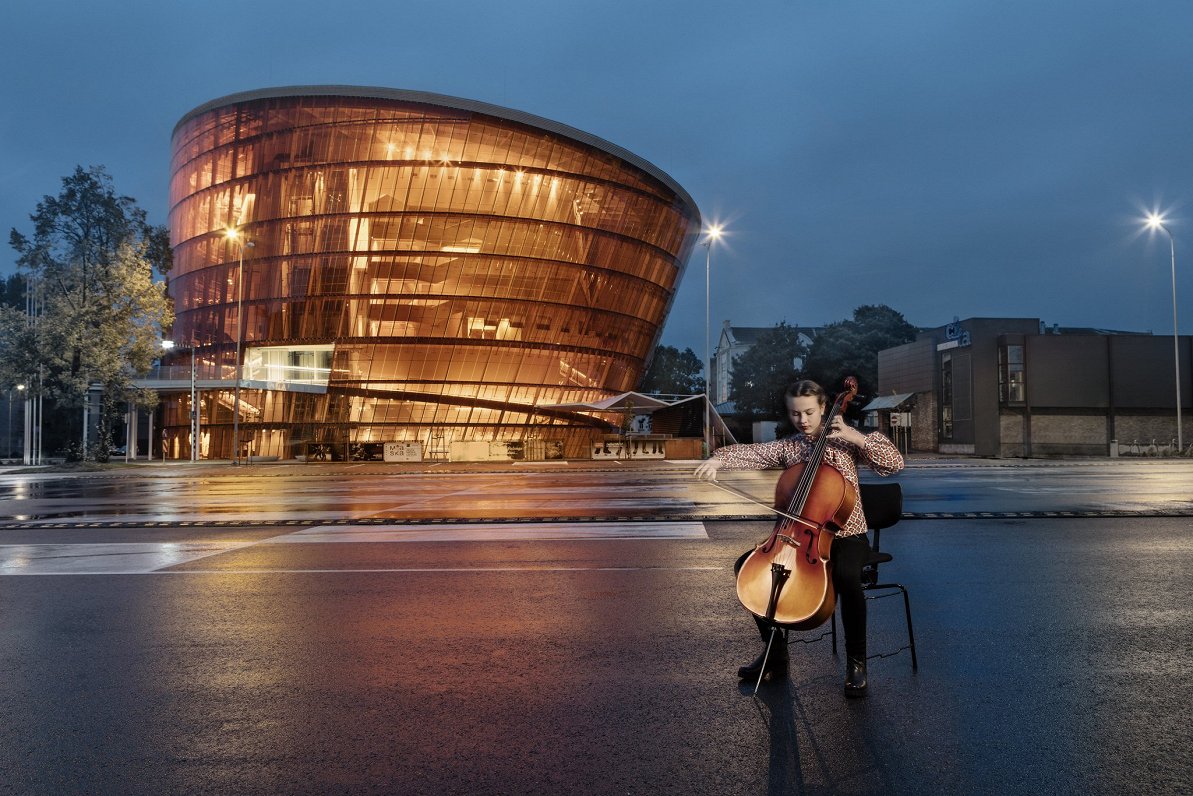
{"points": [[947, 158]]}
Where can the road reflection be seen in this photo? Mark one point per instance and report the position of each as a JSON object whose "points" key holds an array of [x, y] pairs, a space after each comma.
{"points": [[315, 494]]}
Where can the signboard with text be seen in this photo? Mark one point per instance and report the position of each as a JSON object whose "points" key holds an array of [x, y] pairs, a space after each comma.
{"points": [[403, 452]]}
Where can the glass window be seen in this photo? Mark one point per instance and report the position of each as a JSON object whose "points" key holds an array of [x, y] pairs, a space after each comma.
{"points": [[946, 396], [1011, 388]]}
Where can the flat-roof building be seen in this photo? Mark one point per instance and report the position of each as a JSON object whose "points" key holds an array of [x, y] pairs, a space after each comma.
{"points": [[1015, 387]]}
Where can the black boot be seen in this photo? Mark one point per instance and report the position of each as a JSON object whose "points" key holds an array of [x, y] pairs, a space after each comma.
{"points": [[855, 676], [776, 664]]}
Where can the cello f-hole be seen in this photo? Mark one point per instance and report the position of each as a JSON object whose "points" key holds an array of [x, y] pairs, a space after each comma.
{"points": [[810, 552]]}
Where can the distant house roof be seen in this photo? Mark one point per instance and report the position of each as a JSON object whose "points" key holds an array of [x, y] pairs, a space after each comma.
{"points": [[887, 402], [748, 335], [745, 334]]}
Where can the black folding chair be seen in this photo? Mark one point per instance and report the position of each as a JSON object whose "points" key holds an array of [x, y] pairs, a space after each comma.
{"points": [[882, 504]]}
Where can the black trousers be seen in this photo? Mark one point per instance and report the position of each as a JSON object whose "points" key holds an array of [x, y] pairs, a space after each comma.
{"points": [[849, 554]]}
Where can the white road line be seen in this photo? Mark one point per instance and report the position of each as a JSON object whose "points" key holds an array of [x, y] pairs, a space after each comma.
{"points": [[424, 499], [124, 558]]}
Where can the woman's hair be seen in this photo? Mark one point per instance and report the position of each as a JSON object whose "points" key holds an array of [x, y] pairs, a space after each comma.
{"points": [[800, 389]]}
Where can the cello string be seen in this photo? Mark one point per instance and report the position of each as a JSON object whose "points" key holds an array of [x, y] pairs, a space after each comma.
{"points": [[788, 556], [804, 488]]}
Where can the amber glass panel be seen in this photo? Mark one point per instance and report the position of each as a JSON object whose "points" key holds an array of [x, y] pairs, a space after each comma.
{"points": [[466, 270]]}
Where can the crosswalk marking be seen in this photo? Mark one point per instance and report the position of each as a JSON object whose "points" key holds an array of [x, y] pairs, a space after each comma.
{"points": [[112, 558], [142, 558]]}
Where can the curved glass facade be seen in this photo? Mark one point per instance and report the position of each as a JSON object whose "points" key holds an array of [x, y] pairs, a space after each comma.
{"points": [[414, 268]]}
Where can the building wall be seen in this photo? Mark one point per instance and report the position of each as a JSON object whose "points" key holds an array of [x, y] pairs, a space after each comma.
{"points": [[1143, 375], [911, 368], [459, 265], [925, 415], [1012, 434], [1081, 389], [730, 343], [1147, 429], [1068, 371], [1068, 434]]}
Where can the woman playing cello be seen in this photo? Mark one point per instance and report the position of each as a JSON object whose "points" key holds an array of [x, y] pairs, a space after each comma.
{"points": [[846, 446]]}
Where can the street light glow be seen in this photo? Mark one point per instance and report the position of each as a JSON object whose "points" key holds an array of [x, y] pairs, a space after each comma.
{"points": [[1155, 221], [714, 232]]}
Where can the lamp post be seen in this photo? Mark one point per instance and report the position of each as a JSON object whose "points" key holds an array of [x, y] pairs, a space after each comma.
{"points": [[168, 345], [194, 410], [33, 414], [234, 234], [713, 233], [8, 437], [1155, 222]]}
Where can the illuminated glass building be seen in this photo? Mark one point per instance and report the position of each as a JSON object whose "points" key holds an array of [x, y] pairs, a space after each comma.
{"points": [[415, 268]]}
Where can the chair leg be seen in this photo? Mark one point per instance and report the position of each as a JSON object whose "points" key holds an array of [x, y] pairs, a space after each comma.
{"points": [[833, 629], [915, 664]]}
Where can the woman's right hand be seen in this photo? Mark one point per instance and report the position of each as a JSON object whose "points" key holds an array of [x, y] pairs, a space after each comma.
{"points": [[707, 471]]}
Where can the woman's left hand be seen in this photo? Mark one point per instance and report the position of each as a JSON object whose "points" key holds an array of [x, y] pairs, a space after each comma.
{"points": [[845, 432]]}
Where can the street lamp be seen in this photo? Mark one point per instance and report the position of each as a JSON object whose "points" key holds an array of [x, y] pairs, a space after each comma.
{"points": [[1154, 222], [234, 234], [712, 234]]}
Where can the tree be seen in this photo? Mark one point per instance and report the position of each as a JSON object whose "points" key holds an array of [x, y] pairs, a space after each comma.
{"points": [[12, 291], [850, 348], [763, 372], [674, 372], [90, 263]]}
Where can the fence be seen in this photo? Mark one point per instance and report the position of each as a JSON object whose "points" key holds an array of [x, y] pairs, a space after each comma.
{"points": [[1152, 449]]}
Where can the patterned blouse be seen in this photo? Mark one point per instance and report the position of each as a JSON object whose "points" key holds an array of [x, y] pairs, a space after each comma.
{"points": [[879, 453]]}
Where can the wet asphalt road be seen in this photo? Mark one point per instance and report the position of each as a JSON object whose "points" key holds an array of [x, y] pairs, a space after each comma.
{"points": [[219, 493], [1053, 658]]}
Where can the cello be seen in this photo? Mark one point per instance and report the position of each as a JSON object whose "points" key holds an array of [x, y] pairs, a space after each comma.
{"points": [[787, 580]]}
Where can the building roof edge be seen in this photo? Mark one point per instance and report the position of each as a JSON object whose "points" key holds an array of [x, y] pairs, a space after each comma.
{"points": [[454, 103]]}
